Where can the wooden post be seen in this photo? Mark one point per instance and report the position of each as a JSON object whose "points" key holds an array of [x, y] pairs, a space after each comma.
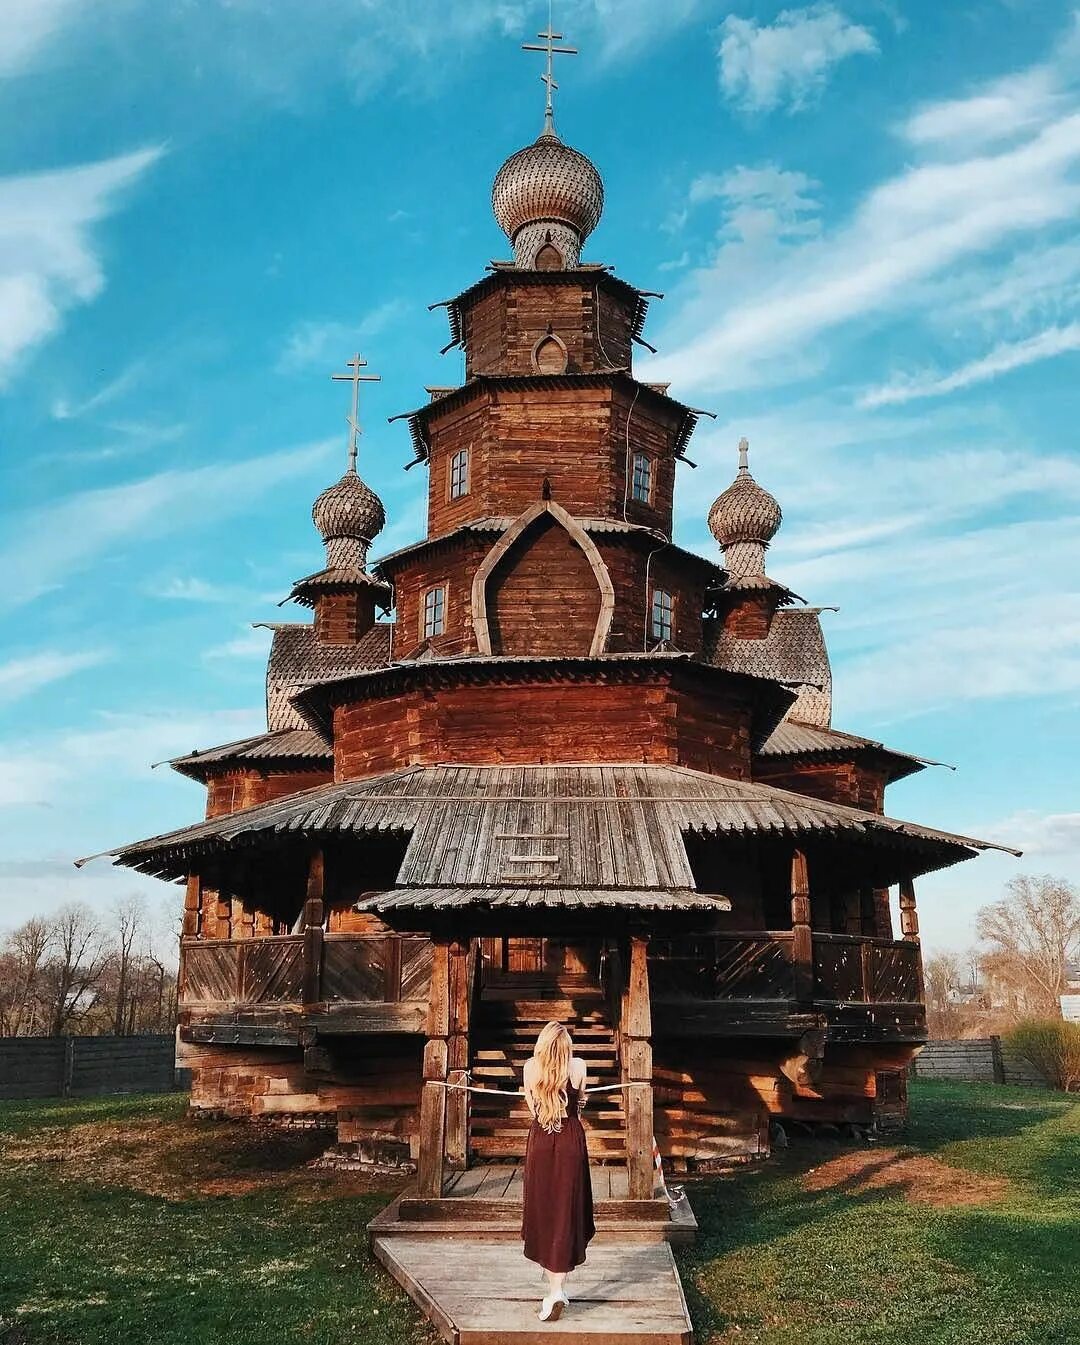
{"points": [[192, 906], [853, 916], [392, 969], [909, 929], [637, 1069], [803, 942], [311, 985], [429, 1168], [457, 1103]]}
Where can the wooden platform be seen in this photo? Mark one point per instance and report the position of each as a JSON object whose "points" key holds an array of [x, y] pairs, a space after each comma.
{"points": [[459, 1258], [480, 1292]]}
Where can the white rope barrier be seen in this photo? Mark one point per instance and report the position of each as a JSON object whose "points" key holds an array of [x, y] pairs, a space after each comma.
{"points": [[520, 1092]]}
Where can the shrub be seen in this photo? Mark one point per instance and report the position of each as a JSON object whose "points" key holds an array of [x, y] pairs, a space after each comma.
{"points": [[1053, 1047]]}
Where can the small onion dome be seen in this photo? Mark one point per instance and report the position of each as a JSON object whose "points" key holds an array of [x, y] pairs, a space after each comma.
{"points": [[349, 508], [745, 512], [548, 183]]}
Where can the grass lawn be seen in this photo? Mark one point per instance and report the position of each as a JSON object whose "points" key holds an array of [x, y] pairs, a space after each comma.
{"points": [[122, 1223]]}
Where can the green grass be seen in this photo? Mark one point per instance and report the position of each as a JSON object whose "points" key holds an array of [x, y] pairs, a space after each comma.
{"points": [[121, 1224], [778, 1263]]}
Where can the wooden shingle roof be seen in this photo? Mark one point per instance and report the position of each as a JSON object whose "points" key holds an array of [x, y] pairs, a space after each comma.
{"points": [[617, 826]]}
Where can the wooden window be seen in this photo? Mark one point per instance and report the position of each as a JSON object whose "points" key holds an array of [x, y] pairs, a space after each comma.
{"points": [[549, 356], [549, 258], [642, 484], [434, 612], [459, 474], [663, 615]]}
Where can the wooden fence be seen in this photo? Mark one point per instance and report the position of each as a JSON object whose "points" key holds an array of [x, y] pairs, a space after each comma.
{"points": [[982, 1060], [86, 1066]]}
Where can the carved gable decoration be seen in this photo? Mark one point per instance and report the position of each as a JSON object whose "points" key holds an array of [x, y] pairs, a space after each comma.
{"points": [[543, 588]]}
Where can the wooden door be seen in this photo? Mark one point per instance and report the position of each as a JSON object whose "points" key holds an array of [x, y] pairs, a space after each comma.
{"points": [[524, 954]]}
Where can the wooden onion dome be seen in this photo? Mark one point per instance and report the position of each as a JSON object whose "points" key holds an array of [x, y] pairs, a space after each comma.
{"points": [[744, 520], [349, 515], [547, 199]]}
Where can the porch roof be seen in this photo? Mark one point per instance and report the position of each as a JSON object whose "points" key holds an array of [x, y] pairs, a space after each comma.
{"points": [[573, 827], [539, 898]]}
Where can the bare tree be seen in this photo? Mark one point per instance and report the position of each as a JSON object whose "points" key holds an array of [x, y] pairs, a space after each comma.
{"points": [[1032, 933], [129, 915], [20, 988], [942, 979], [74, 971]]}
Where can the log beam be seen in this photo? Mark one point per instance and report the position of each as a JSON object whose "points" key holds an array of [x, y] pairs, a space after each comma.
{"points": [[429, 1168], [636, 1039], [313, 929]]}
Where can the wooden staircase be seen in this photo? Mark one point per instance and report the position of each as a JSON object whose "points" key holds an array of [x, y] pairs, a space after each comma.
{"points": [[504, 1030]]}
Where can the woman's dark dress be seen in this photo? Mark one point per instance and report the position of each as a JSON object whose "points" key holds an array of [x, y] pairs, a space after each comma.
{"points": [[557, 1218]]}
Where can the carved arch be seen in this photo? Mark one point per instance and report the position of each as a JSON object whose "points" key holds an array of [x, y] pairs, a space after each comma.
{"points": [[506, 542], [549, 355]]}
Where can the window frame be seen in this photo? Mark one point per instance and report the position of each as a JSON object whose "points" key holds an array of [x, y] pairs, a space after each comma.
{"points": [[439, 605], [650, 477], [658, 608], [466, 455]]}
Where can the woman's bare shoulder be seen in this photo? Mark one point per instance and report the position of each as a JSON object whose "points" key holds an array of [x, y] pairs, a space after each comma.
{"points": [[578, 1069], [529, 1068]]}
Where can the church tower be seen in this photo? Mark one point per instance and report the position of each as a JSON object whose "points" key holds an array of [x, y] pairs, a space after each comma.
{"points": [[546, 761]]}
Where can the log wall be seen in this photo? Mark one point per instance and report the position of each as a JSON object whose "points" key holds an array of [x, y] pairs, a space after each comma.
{"points": [[230, 790], [849, 782], [549, 721]]}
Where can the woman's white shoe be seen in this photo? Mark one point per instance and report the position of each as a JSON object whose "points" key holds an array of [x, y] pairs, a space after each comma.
{"points": [[552, 1306]]}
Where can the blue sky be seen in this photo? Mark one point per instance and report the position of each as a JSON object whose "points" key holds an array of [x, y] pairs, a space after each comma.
{"points": [[862, 215]]}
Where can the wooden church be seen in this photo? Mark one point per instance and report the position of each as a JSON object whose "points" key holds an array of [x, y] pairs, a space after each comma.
{"points": [[547, 763]]}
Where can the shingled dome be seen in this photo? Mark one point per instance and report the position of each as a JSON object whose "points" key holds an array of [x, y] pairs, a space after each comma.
{"points": [[745, 512], [547, 193], [349, 508]]}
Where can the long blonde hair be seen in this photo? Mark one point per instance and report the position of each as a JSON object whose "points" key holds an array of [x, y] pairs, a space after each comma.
{"points": [[552, 1056]]}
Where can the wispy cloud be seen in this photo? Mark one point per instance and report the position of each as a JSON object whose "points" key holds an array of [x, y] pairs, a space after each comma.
{"points": [[22, 676], [787, 62], [56, 541], [189, 589], [751, 304], [48, 262], [248, 644], [63, 408], [25, 29], [311, 343], [1001, 360], [1036, 833]]}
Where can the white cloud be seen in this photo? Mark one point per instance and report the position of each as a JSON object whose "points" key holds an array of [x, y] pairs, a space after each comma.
{"points": [[47, 258], [179, 589], [250, 643], [56, 541], [25, 29], [1001, 360], [745, 309], [49, 769], [1037, 833], [760, 204], [22, 676], [788, 61], [329, 343]]}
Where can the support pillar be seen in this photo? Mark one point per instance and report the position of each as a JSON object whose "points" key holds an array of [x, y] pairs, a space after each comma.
{"points": [[311, 985], [803, 942], [429, 1168], [192, 907], [457, 1054], [909, 929], [637, 1071]]}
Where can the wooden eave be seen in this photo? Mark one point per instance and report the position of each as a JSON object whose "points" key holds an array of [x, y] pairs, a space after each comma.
{"points": [[447, 811], [298, 749], [316, 702], [483, 383], [336, 580], [503, 273], [829, 744]]}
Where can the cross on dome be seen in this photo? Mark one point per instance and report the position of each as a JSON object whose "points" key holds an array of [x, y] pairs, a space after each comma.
{"points": [[548, 77], [349, 514], [355, 377]]}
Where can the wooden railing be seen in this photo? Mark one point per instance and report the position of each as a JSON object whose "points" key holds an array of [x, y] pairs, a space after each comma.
{"points": [[351, 969], [846, 968]]}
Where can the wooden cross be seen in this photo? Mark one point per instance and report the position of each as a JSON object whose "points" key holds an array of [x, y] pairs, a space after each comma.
{"points": [[548, 77], [355, 377]]}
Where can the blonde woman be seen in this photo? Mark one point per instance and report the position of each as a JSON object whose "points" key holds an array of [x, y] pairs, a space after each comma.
{"points": [[557, 1219]]}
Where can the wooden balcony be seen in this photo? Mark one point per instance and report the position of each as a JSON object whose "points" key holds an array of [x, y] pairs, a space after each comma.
{"points": [[273, 991], [731, 984]]}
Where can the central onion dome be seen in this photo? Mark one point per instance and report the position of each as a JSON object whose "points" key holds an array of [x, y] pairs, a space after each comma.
{"points": [[744, 520], [547, 199], [349, 515]]}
